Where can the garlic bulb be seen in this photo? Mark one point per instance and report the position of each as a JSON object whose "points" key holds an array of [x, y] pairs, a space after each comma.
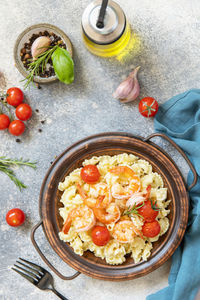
{"points": [[39, 46], [129, 89]]}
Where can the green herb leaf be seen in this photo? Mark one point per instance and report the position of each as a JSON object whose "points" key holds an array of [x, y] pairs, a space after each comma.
{"points": [[6, 163], [34, 66], [12, 176], [154, 206], [63, 65], [134, 210], [16, 162]]}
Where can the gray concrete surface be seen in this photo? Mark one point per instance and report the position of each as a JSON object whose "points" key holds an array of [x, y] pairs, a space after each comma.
{"points": [[169, 34]]}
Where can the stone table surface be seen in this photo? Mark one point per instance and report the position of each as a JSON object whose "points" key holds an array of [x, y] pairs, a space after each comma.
{"points": [[167, 49]]}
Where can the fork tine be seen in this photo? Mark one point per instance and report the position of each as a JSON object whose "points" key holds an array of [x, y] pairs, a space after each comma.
{"points": [[24, 275], [36, 277], [34, 271], [33, 265]]}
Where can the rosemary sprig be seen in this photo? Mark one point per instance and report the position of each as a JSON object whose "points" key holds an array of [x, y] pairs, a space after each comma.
{"points": [[134, 210], [12, 176], [34, 66], [154, 206], [17, 162], [6, 163]]}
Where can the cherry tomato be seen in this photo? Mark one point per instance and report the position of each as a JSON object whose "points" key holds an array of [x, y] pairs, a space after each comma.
{"points": [[147, 212], [15, 217], [148, 107], [100, 235], [23, 112], [16, 127], [151, 229], [15, 96], [4, 121], [90, 174]]}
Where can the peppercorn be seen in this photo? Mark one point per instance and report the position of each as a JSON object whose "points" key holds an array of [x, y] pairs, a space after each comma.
{"points": [[23, 51], [27, 56]]}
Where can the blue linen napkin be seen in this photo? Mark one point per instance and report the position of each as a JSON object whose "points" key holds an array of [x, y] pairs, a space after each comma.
{"points": [[179, 118]]}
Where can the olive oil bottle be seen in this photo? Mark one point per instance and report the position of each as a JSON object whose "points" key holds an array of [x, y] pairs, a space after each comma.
{"points": [[105, 29]]}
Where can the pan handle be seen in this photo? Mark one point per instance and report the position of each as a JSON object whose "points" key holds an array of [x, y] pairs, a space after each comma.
{"points": [[44, 258], [180, 151]]}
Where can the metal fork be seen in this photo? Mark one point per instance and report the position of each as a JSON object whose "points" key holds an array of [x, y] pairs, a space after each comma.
{"points": [[36, 275]]}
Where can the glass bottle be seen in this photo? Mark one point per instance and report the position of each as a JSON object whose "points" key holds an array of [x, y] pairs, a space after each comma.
{"points": [[105, 29]]}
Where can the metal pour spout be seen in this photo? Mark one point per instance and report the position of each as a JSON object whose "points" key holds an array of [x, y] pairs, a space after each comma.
{"points": [[100, 21]]}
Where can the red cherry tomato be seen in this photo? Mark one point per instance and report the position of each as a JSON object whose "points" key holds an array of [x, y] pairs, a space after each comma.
{"points": [[15, 217], [147, 212], [15, 96], [148, 107], [90, 174], [151, 229], [100, 235], [4, 121], [23, 112], [16, 127]]}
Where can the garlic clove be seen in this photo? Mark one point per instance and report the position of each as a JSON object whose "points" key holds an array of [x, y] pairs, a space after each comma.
{"points": [[124, 89], [39, 46], [129, 89]]}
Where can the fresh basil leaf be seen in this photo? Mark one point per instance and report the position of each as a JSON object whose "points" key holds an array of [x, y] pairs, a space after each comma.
{"points": [[63, 65]]}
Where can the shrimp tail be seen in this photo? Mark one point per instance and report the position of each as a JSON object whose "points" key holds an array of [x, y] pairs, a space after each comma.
{"points": [[80, 190], [100, 201], [67, 226], [148, 189]]}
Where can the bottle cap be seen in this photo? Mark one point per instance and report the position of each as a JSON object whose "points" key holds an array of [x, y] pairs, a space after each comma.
{"points": [[114, 22]]}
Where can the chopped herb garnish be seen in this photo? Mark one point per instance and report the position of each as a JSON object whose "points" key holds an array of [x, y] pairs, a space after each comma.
{"points": [[154, 206], [134, 210]]}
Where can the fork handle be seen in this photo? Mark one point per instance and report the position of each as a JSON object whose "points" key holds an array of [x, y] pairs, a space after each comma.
{"points": [[58, 294]]}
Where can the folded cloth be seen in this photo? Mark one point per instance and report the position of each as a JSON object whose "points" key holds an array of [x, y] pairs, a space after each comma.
{"points": [[179, 118]]}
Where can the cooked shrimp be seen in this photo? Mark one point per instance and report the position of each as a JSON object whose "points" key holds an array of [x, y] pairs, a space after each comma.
{"points": [[138, 198], [124, 231], [117, 191], [135, 199], [121, 203], [81, 217], [108, 215], [103, 200], [104, 191], [90, 202], [120, 192], [126, 171]]}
